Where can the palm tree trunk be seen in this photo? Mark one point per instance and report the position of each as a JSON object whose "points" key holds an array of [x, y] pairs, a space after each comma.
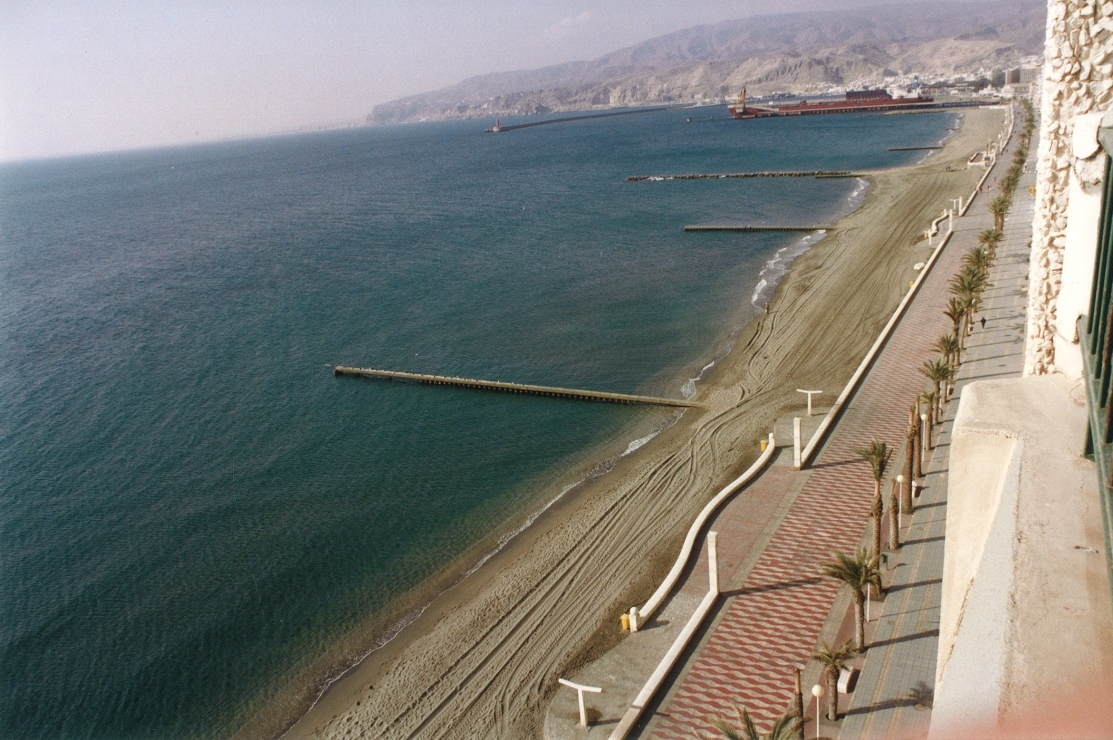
{"points": [[916, 444], [877, 509], [935, 404], [906, 494], [798, 698], [860, 619], [832, 695], [894, 520]]}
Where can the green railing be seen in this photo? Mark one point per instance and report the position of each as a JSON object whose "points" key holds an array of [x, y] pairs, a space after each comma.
{"points": [[1096, 335]]}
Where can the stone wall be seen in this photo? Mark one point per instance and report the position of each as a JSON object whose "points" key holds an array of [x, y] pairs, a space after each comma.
{"points": [[1077, 80]]}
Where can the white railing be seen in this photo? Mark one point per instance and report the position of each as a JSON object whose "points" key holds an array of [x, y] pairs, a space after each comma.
{"points": [[651, 606]]}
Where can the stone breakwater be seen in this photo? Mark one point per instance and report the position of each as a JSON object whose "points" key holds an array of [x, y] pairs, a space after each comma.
{"points": [[1077, 80], [735, 175]]}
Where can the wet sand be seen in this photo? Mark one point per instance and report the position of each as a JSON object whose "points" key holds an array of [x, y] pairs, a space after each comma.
{"points": [[483, 659]]}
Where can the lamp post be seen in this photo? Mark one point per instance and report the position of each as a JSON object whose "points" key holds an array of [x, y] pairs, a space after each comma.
{"points": [[817, 692], [927, 437], [900, 497]]}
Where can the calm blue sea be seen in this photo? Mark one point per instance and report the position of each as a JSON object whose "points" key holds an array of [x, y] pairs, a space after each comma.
{"points": [[194, 512]]}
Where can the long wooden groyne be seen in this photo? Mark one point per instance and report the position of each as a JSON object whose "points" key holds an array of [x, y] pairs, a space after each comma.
{"points": [[730, 227], [741, 175], [498, 385]]}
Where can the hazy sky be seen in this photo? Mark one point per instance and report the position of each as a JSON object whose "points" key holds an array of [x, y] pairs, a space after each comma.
{"points": [[97, 76]]}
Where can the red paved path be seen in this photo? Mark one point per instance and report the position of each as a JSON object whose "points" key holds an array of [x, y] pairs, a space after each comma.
{"points": [[773, 621]]}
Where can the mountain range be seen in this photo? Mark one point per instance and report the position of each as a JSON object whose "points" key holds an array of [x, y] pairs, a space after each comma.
{"points": [[797, 52]]}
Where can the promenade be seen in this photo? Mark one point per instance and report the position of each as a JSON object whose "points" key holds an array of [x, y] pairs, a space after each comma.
{"points": [[775, 603], [893, 696]]}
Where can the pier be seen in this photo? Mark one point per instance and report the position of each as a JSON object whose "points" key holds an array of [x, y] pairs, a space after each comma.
{"points": [[912, 148], [740, 175], [729, 227], [533, 390], [498, 129]]}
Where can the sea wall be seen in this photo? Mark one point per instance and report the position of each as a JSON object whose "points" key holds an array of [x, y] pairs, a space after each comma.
{"points": [[1077, 80]]}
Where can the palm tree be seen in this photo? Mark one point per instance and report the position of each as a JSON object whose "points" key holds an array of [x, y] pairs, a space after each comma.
{"points": [[948, 345], [948, 375], [937, 372], [999, 207], [956, 312], [1010, 180], [979, 258], [969, 303], [877, 455], [969, 282], [894, 518], [991, 238], [834, 660], [859, 572], [783, 729]]}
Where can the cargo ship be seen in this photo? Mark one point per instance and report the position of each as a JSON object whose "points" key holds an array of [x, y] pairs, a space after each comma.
{"points": [[854, 102]]}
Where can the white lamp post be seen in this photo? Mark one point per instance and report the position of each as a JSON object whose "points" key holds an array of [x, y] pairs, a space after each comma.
{"points": [[900, 497], [817, 692], [926, 446]]}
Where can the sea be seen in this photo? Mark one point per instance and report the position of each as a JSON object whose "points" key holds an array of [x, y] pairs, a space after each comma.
{"points": [[200, 524]]}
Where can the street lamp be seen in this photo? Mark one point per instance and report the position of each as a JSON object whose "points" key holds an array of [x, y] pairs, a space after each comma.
{"points": [[817, 692]]}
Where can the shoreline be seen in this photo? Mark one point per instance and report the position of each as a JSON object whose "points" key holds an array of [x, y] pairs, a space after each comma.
{"points": [[593, 463], [447, 625]]}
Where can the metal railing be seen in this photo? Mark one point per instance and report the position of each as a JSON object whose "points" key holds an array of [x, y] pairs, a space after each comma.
{"points": [[1096, 338]]}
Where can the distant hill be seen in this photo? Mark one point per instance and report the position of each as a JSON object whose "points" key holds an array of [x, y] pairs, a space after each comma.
{"points": [[788, 52]]}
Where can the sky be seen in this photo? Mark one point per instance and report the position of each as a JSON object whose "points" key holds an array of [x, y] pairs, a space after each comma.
{"points": [[79, 77]]}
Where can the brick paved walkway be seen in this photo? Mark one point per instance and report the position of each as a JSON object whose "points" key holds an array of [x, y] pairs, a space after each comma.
{"points": [[893, 697], [771, 621]]}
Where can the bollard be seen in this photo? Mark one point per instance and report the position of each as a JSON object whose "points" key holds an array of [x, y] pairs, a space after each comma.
{"points": [[764, 444], [633, 619], [713, 562], [624, 620], [796, 442]]}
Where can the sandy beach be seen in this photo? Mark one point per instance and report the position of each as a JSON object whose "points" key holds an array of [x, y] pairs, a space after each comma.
{"points": [[484, 658]]}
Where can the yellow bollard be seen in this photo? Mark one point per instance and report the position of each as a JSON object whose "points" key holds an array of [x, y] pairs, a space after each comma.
{"points": [[911, 283], [764, 444], [625, 621]]}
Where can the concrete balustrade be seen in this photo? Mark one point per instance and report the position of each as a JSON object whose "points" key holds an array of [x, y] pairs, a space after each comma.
{"points": [[651, 606], [662, 671]]}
